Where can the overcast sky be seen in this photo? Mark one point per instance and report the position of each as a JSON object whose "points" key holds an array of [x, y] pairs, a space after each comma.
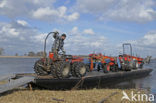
{"points": [[90, 25]]}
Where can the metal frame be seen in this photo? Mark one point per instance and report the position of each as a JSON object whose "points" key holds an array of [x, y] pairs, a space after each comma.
{"points": [[127, 44], [45, 43]]}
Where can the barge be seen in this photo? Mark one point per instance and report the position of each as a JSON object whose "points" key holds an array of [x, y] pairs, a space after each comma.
{"points": [[91, 80]]}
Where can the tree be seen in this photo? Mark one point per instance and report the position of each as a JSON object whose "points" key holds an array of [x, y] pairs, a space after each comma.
{"points": [[16, 54], [31, 53], [1, 51], [39, 53], [25, 54]]}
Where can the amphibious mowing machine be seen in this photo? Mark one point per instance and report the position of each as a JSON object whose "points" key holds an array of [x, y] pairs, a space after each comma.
{"points": [[76, 66], [63, 67]]}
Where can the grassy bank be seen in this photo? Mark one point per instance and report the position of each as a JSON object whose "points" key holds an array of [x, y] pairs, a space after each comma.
{"points": [[75, 96]]}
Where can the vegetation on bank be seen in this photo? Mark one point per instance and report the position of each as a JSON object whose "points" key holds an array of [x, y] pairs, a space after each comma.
{"points": [[70, 96]]}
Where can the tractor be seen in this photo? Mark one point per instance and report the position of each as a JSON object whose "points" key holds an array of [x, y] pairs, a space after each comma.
{"points": [[124, 62], [100, 61], [129, 62], [62, 67]]}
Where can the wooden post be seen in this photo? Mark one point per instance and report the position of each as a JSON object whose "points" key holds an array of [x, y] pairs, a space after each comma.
{"points": [[30, 86]]}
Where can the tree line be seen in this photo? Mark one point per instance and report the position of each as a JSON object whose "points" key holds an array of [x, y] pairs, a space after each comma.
{"points": [[31, 53]]}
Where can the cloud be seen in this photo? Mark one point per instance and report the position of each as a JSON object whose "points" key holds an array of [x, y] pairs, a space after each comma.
{"points": [[92, 6], [9, 31], [22, 22], [17, 38], [149, 39], [119, 10], [145, 45], [29, 39], [44, 13], [16, 8], [3, 3], [36, 9], [74, 30], [132, 10], [73, 16], [14, 36], [39, 38], [88, 31], [48, 13], [78, 43]]}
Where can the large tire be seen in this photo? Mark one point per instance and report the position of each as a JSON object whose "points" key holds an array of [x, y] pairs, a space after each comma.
{"points": [[114, 68], [53, 69], [73, 69], [38, 68], [88, 67], [141, 65], [133, 64], [126, 67], [80, 69], [62, 70]]}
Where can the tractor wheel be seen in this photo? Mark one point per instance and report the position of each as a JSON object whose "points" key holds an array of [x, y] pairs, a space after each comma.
{"points": [[73, 69], [80, 69], [128, 68], [88, 67], [53, 70], [98, 67], [106, 68], [114, 68], [137, 65], [131, 65], [62, 69], [141, 65], [125, 67], [38, 68]]}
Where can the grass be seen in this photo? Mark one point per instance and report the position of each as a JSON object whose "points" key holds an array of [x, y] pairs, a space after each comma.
{"points": [[75, 96]]}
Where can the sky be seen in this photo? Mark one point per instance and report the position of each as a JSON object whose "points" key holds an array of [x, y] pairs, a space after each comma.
{"points": [[92, 26]]}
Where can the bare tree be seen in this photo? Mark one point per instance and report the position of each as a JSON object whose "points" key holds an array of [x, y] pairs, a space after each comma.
{"points": [[25, 54], [1, 51], [39, 53], [16, 54], [31, 53]]}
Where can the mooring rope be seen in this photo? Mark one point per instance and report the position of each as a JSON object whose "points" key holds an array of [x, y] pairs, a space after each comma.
{"points": [[80, 83]]}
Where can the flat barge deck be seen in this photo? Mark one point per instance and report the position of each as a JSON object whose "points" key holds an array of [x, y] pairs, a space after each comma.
{"points": [[92, 79]]}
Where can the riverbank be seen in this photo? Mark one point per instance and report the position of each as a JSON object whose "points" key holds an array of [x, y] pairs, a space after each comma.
{"points": [[20, 56], [75, 96]]}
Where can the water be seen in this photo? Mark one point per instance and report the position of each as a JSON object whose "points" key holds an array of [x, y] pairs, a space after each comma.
{"points": [[25, 65], [16, 65], [148, 82]]}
